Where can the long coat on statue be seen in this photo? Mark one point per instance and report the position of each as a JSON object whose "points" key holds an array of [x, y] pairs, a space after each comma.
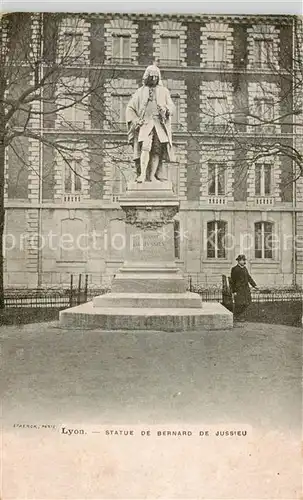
{"points": [[138, 109]]}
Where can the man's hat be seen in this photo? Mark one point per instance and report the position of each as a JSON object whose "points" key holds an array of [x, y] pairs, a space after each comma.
{"points": [[241, 257]]}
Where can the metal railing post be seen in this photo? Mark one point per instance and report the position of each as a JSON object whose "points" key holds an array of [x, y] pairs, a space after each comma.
{"points": [[85, 288], [79, 289], [71, 291]]}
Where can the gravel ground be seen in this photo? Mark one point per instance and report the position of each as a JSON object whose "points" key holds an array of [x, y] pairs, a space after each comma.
{"points": [[249, 377]]}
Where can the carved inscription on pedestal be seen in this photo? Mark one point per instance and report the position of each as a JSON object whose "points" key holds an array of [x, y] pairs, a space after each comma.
{"points": [[151, 244]]}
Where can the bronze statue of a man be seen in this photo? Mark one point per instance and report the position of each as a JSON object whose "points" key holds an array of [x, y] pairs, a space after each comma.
{"points": [[148, 117]]}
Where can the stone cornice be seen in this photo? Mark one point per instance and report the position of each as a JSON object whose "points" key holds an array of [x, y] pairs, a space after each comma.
{"points": [[233, 206], [202, 18], [180, 137]]}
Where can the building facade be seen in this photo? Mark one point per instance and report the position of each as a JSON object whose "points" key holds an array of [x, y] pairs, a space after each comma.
{"points": [[231, 79]]}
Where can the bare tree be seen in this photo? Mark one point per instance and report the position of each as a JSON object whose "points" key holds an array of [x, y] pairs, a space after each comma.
{"points": [[264, 121], [47, 82], [276, 116]]}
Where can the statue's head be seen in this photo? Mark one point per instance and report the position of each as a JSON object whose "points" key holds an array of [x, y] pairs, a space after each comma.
{"points": [[152, 76]]}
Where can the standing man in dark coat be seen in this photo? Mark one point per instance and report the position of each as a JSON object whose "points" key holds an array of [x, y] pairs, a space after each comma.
{"points": [[240, 281]]}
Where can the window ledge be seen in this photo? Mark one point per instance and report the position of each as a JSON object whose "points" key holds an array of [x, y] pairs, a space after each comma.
{"points": [[217, 199], [216, 260], [264, 200], [71, 198], [264, 261], [70, 263], [114, 261]]}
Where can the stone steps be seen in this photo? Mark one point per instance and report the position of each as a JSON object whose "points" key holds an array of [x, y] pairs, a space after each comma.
{"points": [[212, 316], [149, 300]]}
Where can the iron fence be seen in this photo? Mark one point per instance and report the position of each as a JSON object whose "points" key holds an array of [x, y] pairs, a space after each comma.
{"points": [[37, 302], [81, 289]]}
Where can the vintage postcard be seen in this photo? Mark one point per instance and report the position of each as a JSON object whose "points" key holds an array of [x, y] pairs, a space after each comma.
{"points": [[151, 262]]}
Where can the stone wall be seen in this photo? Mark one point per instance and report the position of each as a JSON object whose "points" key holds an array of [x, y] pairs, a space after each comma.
{"points": [[91, 241], [276, 271]]}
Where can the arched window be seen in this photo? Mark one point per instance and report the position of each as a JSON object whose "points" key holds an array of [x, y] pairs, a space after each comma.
{"points": [[216, 234], [263, 240]]}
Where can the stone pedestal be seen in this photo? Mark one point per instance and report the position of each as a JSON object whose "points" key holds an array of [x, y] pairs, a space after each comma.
{"points": [[149, 265], [149, 290]]}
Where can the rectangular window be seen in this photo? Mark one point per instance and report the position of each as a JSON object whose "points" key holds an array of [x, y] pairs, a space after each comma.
{"points": [[73, 45], [216, 179], [263, 240], [218, 112], [263, 52], [74, 112], [216, 50], [267, 187], [72, 38], [121, 48], [119, 183], [170, 50], [263, 179], [265, 111], [73, 177], [175, 119], [216, 233], [119, 103]]}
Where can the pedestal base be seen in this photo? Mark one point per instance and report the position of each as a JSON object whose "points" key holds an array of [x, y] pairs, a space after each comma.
{"points": [[149, 292], [148, 277], [149, 300], [212, 316]]}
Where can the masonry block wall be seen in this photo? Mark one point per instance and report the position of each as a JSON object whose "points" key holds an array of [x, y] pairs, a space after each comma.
{"points": [[215, 65], [277, 271], [298, 143]]}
